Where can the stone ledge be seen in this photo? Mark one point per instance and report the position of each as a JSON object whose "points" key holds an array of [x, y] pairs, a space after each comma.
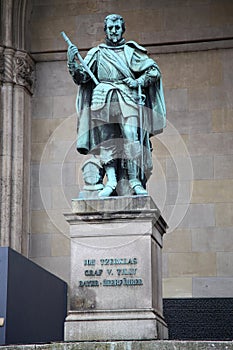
{"points": [[162, 48], [116, 208], [114, 204], [128, 345]]}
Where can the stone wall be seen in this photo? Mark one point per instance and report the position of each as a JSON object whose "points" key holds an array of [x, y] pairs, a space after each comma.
{"points": [[198, 253], [192, 183]]}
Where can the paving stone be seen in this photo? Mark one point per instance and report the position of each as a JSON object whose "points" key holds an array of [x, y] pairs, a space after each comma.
{"points": [[129, 345]]}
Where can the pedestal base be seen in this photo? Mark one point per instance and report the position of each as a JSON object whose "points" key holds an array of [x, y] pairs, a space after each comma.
{"points": [[115, 325], [116, 270]]}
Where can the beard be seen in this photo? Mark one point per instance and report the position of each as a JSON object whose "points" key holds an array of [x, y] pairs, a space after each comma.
{"points": [[115, 38]]}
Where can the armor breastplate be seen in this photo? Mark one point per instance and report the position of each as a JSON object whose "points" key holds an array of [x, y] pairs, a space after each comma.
{"points": [[112, 85], [107, 71]]}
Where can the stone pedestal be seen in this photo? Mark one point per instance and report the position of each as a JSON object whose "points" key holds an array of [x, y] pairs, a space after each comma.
{"points": [[116, 270]]}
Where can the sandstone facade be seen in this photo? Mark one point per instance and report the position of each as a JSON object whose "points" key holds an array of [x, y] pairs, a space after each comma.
{"points": [[192, 182]]}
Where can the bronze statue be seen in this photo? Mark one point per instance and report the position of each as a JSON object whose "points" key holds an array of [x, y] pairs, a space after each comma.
{"points": [[120, 106]]}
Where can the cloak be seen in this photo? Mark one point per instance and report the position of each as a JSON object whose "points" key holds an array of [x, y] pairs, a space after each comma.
{"points": [[154, 111]]}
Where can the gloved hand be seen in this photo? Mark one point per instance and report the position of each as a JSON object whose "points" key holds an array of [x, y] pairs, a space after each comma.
{"points": [[71, 52], [132, 83]]}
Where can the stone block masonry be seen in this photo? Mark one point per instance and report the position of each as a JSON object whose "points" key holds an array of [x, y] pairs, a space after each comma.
{"points": [[192, 43]]}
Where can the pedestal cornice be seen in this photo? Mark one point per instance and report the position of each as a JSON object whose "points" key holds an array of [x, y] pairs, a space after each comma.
{"points": [[116, 208]]}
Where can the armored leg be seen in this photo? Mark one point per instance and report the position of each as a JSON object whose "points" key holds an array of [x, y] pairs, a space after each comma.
{"points": [[109, 149], [108, 160], [135, 183], [110, 186], [133, 151]]}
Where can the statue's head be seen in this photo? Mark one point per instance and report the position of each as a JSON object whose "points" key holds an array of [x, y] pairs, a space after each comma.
{"points": [[114, 27]]}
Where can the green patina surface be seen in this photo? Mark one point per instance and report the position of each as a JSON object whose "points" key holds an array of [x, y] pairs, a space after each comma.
{"points": [[120, 106]]}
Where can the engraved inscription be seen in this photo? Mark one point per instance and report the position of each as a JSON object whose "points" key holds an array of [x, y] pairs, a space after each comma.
{"points": [[111, 272]]}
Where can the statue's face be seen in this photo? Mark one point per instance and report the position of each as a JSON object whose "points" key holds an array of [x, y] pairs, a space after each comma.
{"points": [[114, 30]]}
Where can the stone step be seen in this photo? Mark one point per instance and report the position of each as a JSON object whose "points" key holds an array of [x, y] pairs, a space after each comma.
{"points": [[128, 345]]}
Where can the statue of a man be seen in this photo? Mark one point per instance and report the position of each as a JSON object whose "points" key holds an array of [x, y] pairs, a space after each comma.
{"points": [[109, 113]]}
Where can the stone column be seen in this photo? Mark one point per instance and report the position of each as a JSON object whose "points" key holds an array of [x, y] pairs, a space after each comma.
{"points": [[116, 270], [16, 82], [6, 105], [16, 90], [21, 148], [6, 145]]}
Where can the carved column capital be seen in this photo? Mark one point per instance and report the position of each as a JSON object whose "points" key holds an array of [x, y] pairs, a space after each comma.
{"points": [[24, 70]]}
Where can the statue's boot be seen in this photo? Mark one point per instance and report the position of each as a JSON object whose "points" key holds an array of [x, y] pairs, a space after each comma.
{"points": [[134, 181], [133, 152], [111, 181]]}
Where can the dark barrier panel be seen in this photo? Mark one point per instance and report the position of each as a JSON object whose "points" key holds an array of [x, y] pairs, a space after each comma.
{"points": [[199, 318], [33, 306], [35, 301], [3, 293]]}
